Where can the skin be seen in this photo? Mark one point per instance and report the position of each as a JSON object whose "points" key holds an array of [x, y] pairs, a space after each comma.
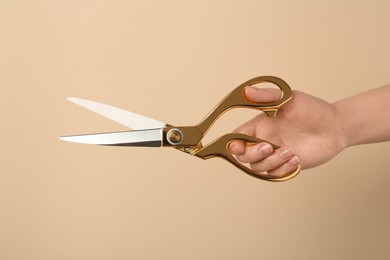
{"points": [[310, 130]]}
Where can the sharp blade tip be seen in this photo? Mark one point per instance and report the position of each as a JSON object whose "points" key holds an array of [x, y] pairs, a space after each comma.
{"points": [[72, 99], [63, 138]]}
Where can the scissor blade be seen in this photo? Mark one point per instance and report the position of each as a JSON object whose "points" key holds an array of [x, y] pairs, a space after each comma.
{"points": [[126, 118], [148, 138]]}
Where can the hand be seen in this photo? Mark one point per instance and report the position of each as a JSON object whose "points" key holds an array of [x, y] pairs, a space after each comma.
{"points": [[307, 129]]}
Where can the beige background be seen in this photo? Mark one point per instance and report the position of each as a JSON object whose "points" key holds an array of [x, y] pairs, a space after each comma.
{"points": [[174, 60]]}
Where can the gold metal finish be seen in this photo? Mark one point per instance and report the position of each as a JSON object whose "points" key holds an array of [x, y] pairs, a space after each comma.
{"points": [[236, 99], [191, 136], [220, 148], [174, 136]]}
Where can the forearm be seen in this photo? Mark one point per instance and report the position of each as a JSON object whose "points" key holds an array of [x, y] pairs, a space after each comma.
{"points": [[365, 118]]}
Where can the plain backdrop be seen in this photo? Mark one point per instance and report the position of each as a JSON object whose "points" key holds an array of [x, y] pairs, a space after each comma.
{"points": [[173, 61]]}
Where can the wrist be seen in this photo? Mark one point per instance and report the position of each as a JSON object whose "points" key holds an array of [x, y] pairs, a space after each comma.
{"points": [[342, 113]]}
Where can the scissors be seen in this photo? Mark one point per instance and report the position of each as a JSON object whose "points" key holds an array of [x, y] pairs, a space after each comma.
{"points": [[148, 132]]}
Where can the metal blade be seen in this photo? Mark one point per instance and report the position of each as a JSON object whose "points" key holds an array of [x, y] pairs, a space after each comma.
{"points": [[149, 138], [126, 118]]}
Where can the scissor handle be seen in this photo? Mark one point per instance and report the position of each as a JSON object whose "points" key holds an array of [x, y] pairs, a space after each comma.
{"points": [[237, 98], [219, 148]]}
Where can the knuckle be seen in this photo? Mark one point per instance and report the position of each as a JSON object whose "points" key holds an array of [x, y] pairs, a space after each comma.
{"points": [[267, 164]]}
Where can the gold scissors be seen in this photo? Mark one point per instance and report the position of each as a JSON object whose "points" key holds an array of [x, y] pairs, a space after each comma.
{"points": [[147, 132]]}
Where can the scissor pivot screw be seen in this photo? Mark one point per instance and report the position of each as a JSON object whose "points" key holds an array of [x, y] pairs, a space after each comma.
{"points": [[174, 136]]}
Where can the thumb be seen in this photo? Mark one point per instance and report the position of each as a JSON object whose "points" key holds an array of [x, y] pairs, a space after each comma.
{"points": [[262, 95]]}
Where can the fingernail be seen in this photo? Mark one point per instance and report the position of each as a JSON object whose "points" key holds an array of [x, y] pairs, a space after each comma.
{"points": [[248, 89], [265, 149], [250, 92], [293, 162], [286, 153]]}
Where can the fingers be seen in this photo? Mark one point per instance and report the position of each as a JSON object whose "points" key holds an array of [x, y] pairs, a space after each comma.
{"points": [[262, 157], [255, 153], [285, 168], [237, 148]]}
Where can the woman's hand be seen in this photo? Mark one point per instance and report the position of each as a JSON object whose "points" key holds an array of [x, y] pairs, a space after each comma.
{"points": [[307, 129]]}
